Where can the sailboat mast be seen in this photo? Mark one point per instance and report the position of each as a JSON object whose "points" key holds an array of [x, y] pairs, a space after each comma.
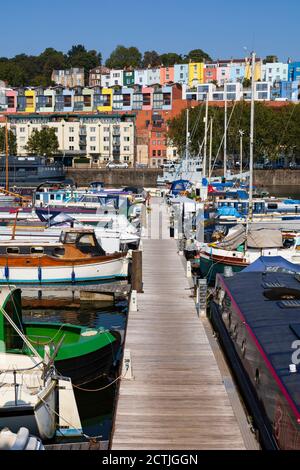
{"points": [[252, 137], [205, 137], [225, 130], [6, 156], [210, 149], [187, 144]]}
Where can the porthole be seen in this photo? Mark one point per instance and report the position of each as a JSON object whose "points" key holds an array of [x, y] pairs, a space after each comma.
{"points": [[12, 250]]}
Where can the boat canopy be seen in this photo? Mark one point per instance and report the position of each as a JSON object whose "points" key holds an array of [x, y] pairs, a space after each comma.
{"points": [[234, 239], [272, 264], [291, 201], [264, 238], [228, 212]]}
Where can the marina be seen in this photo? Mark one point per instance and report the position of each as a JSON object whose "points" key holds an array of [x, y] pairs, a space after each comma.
{"points": [[149, 233]]}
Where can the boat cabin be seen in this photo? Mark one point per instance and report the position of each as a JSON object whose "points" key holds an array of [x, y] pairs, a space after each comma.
{"points": [[75, 243]]}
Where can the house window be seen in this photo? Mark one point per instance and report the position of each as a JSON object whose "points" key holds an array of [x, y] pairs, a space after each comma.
{"points": [[93, 149], [153, 153], [126, 148], [106, 139], [93, 129], [22, 129], [92, 139], [71, 147], [106, 149], [71, 130], [126, 139], [71, 139]]}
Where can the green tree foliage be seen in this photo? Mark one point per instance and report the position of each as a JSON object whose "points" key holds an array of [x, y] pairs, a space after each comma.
{"points": [[12, 142], [197, 55], [24, 70], [170, 58], [270, 59], [43, 142], [151, 59], [78, 56], [276, 130], [123, 57]]}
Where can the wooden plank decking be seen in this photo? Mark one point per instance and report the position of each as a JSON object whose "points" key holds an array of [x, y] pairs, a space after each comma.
{"points": [[177, 399]]}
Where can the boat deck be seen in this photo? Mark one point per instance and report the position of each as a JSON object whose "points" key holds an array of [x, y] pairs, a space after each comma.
{"points": [[177, 398]]}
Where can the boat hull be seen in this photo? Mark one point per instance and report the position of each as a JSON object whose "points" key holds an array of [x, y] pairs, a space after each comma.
{"points": [[40, 420], [91, 366], [211, 266], [88, 272], [272, 398]]}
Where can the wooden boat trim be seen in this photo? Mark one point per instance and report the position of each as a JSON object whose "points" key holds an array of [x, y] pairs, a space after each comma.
{"points": [[47, 260]]}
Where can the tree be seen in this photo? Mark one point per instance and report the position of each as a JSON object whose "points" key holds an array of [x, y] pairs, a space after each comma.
{"points": [[197, 55], [12, 142], [170, 58], [270, 59], [78, 56], [246, 83], [151, 58], [276, 130], [43, 142], [123, 57]]}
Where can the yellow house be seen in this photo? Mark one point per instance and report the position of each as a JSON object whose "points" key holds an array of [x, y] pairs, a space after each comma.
{"points": [[196, 73], [30, 101], [257, 75], [107, 100]]}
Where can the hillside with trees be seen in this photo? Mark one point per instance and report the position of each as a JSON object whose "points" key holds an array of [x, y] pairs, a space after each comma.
{"points": [[29, 70]]}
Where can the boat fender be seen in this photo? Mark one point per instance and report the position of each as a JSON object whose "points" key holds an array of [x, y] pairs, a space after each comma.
{"points": [[39, 273], [73, 275], [21, 439], [6, 272]]}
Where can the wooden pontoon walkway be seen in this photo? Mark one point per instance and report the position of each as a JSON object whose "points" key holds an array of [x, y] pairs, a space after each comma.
{"points": [[177, 399]]}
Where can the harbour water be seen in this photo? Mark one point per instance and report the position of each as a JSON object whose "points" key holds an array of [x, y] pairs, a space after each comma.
{"points": [[95, 408]]}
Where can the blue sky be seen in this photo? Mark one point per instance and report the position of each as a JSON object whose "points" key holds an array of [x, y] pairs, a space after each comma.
{"points": [[223, 28]]}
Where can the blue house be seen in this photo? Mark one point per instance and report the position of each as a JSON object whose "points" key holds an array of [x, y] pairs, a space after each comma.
{"points": [[294, 71]]}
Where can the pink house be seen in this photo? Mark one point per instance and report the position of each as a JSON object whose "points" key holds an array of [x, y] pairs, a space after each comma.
{"points": [[11, 101], [166, 75], [147, 93]]}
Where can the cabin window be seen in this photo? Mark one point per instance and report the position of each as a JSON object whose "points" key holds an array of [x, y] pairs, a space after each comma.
{"points": [[12, 250], [52, 197], [87, 240], [36, 250], [71, 237], [37, 197], [272, 206]]}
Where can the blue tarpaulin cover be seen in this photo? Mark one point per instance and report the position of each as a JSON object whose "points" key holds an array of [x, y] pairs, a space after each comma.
{"points": [[272, 264], [228, 211]]}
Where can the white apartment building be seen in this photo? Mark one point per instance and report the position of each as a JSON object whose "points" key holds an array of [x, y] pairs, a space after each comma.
{"points": [[104, 138]]}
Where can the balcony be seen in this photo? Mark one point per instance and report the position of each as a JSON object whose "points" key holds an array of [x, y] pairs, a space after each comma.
{"points": [[82, 131]]}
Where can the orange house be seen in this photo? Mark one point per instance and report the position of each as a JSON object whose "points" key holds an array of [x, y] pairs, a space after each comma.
{"points": [[210, 73], [166, 75]]}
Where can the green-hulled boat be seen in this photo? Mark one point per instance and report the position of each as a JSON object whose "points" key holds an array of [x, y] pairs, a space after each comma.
{"points": [[81, 353]]}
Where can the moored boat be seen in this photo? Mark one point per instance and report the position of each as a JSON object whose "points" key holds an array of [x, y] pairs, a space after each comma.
{"points": [[256, 315], [76, 258], [83, 354]]}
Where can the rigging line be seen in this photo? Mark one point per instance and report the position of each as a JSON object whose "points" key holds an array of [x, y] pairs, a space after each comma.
{"points": [[222, 140]]}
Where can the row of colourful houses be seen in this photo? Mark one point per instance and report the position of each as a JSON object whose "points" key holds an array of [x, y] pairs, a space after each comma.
{"points": [[87, 99], [136, 98], [193, 73]]}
